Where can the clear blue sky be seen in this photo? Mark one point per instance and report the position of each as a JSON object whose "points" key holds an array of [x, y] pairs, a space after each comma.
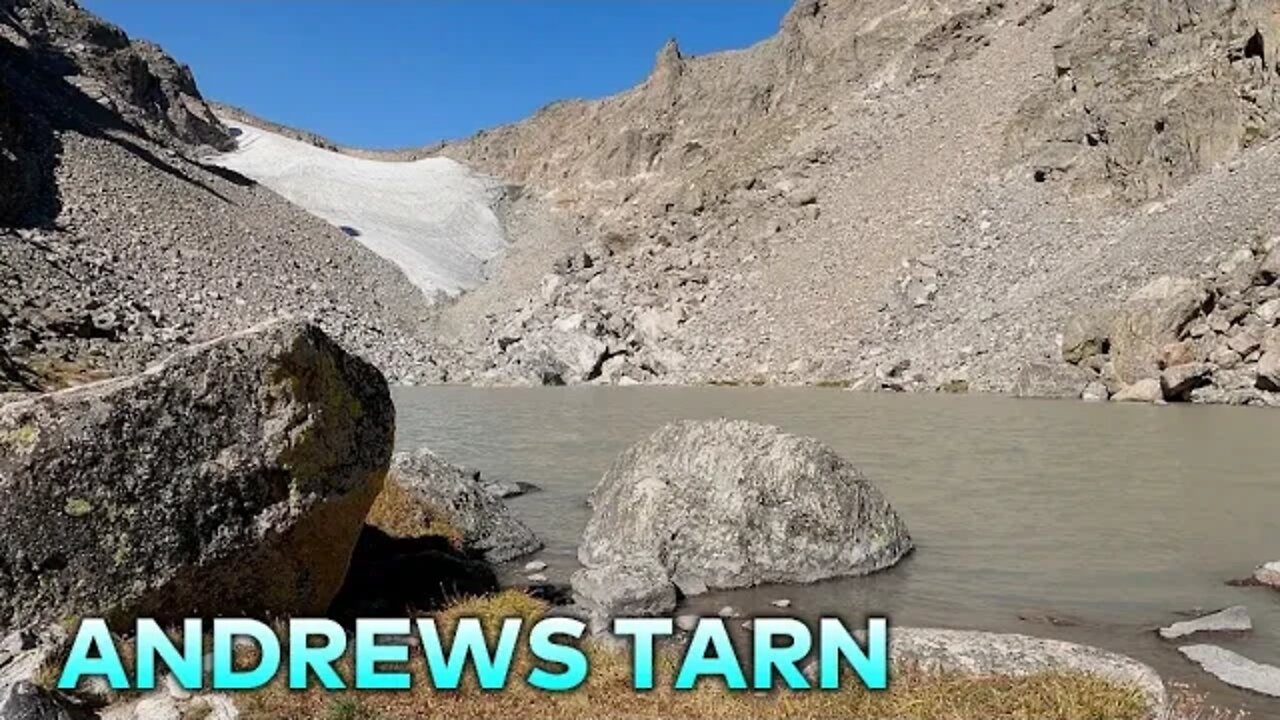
{"points": [[395, 73]]}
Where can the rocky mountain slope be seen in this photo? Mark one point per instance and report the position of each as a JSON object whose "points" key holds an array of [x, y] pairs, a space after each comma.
{"points": [[885, 195], [118, 244], [907, 195]]}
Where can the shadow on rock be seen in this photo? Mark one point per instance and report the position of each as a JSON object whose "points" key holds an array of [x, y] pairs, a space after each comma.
{"points": [[390, 576]]}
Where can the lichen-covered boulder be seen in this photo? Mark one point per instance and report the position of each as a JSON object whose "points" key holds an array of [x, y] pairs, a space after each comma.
{"points": [[729, 504], [232, 478], [426, 494]]}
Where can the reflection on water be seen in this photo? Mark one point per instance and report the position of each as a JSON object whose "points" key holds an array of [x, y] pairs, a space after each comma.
{"points": [[1118, 517]]}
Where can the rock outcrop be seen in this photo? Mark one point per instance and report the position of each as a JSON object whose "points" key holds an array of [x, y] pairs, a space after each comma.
{"points": [[1203, 73], [423, 489], [232, 478], [133, 78], [729, 504]]}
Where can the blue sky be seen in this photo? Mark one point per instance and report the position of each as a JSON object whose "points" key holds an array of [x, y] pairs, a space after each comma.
{"points": [[396, 73]]}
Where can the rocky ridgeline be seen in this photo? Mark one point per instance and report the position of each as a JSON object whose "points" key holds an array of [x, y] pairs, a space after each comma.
{"points": [[1214, 339]]}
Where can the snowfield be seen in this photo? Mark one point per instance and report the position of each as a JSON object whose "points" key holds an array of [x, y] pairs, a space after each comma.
{"points": [[434, 218]]}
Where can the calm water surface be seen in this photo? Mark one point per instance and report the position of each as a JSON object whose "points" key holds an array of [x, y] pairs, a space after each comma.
{"points": [[1114, 518]]}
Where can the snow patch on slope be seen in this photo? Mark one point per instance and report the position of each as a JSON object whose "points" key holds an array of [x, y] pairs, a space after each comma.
{"points": [[433, 218]]}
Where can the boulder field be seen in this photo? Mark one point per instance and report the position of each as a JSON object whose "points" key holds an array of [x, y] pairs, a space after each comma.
{"points": [[1213, 339]]}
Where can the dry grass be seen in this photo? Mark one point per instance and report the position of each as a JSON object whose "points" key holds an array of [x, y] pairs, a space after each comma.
{"points": [[608, 693], [399, 514]]}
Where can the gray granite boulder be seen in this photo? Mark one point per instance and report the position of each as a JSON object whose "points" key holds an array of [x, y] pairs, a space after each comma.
{"points": [[730, 504], [1235, 669], [484, 521], [1232, 619], [231, 478]]}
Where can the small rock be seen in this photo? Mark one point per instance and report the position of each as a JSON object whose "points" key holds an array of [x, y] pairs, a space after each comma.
{"points": [[1268, 311], [1269, 370], [1178, 381], [687, 623], [1268, 574], [1232, 619], [728, 611], [25, 701], [537, 578], [534, 566], [781, 603], [157, 707], [1095, 392]]}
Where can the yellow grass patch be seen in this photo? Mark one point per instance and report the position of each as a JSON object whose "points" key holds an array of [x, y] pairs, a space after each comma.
{"points": [[399, 514]]}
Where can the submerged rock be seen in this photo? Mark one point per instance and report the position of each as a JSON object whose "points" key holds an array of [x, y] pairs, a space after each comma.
{"points": [[232, 478], [729, 504], [1235, 669], [436, 491], [1232, 619]]}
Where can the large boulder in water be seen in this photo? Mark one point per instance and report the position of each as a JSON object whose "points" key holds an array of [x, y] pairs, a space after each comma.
{"points": [[730, 504], [427, 494], [231, 479]]}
